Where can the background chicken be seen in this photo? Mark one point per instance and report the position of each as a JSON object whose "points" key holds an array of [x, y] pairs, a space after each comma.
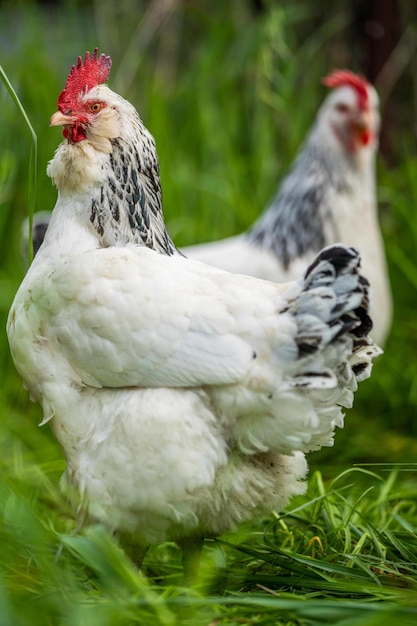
{"points": [[184, 397], [329, 195]]}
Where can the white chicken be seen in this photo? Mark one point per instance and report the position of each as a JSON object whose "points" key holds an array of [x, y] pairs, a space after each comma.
{"points": [[184, 397], [329, 195]]}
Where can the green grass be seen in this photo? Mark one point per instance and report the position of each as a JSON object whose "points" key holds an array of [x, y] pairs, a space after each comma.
{"points": [[229, 98], [33, 161], [345, 553]]}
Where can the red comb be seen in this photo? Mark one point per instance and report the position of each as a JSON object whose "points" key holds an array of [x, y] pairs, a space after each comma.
{"points": [[94, 71], [341, 78]]}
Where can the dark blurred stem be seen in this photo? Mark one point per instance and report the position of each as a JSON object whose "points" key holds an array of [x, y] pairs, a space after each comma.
{"points": [[191, 548]]}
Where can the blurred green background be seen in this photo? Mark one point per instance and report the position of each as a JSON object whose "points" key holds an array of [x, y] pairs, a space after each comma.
{"points": [[229, 90]]}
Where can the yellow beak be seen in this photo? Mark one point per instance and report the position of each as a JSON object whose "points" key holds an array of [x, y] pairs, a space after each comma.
{"points": [[59, 119]]}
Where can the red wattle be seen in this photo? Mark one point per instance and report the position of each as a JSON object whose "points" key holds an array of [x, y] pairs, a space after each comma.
{"points": [[366, 136], [74, 133]]}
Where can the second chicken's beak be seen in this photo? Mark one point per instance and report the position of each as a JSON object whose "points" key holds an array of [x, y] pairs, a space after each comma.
{"points": [[362, 120], [362, 127], [59, 119]]}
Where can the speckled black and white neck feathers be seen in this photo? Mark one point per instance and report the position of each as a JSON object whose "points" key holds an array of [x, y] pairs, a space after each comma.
{"points": [[129, 208]]}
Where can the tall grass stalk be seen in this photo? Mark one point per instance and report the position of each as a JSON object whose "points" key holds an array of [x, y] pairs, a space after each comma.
{"points": [[33, 160]]}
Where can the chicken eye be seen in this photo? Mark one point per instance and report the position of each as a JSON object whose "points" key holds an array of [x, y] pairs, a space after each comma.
{"points": [[341, 108], [95, 107]]}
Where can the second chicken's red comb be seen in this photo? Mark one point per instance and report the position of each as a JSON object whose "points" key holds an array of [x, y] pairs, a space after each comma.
{"points": [[341, 78]]}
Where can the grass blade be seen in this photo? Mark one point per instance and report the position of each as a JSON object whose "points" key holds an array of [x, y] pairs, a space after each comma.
{"points": [[33, 159]]}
